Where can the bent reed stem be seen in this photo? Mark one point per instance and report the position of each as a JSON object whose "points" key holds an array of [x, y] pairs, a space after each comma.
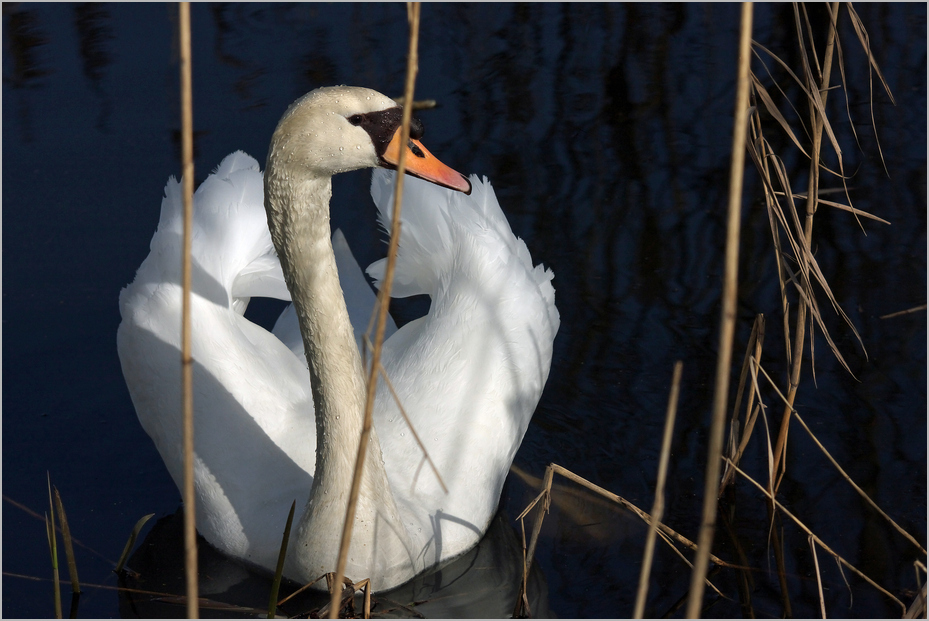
{"points": [[383, 302]]}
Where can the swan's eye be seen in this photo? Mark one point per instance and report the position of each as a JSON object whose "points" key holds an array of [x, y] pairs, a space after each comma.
{"points": [[416, 129], [355, 119]]}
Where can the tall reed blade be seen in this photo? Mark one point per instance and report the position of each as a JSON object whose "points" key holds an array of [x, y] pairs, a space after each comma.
{"points": [[279, 572], [53, 547], [130, 543], [69, 547]]}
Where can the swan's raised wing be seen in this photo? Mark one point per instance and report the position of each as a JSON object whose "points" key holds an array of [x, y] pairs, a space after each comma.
{"points": [[470, 373], [254, 411]]}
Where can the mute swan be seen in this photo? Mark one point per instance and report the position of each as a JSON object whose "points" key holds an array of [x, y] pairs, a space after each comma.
{"points": [[469, 374]]}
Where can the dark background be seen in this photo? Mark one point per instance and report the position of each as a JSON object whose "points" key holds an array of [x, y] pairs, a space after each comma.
{"points": [[606, 132]]}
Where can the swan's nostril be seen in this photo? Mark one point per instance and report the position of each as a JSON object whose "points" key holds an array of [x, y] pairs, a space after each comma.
{"points": [[416, 150]]}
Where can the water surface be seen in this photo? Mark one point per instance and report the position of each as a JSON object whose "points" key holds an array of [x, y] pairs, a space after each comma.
{"points": [[606, 132]]}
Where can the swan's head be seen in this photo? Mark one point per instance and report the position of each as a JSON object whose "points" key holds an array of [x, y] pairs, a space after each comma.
{"points": [[341, 128]]}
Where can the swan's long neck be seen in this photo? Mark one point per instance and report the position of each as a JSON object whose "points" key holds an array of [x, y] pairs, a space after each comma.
{"points": [[298, 216], [301, 235]]}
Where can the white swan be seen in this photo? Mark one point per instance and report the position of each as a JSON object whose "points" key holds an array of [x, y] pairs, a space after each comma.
{"points": [[469, 374]]}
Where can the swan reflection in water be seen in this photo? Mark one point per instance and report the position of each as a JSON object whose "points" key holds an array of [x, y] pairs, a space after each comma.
{"points": [[482, 583]]}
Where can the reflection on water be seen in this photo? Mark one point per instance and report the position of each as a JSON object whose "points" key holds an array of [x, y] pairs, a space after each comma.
{"points": [[605, 131], [482, 583]]}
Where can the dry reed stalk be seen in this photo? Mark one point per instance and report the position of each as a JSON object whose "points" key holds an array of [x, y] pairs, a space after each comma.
{"points": [[346, 599], [409, 424], [302, 589], [545, 498], [841, 471], [819, 579], [799, 235], [366, 343], [727, 319], [817, 540], [917, 610], [187, 399], [658, 505], [818, 121], [764, 157], [915, 309], [412, 67], [740, 435], [785, 219]]}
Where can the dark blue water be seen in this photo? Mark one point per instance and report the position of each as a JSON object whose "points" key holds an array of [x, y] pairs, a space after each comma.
{"points": [[606, 132]]}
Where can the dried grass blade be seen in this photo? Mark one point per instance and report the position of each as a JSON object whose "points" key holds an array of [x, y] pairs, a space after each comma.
{"points": [[811, 303], [857, 212], [300, 590], [409, 424], [645, 517], [809, 31], [811, 95], [755, 341], [819, 541], [915, 309], [863, 37], [854, 485], [819, 579], [787, 100], [840, 57], [773, 110], [917, 610], [848, 587]]}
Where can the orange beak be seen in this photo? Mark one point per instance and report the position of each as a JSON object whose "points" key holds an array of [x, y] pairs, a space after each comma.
{"points": [[423, 164]]}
